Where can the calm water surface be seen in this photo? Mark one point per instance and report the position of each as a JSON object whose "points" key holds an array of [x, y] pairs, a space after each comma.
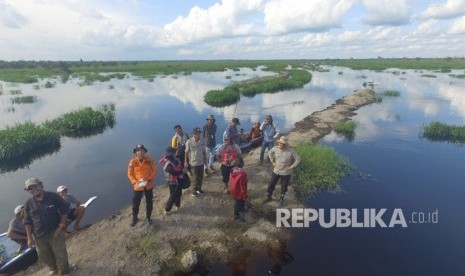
{"points": [[402, 171]]}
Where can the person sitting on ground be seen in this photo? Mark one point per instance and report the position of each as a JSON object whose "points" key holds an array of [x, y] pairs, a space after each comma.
{"points": [[75, 213], [255, 131], [238, 180], [227, 154], [16, 229], [242, 137]]}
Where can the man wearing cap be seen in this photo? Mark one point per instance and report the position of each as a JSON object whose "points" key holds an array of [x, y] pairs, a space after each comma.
{"points": [[227, 154], [75, 213], [141, 173], [209, 136], [16, 229], [283, 160], [269, 134], [178, 142], [196, 157], [45, 215], [232, 131]]}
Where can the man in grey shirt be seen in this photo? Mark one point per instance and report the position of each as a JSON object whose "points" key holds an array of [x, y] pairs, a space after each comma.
{"points": [[16, 229], [196, 156], [283, 159]]}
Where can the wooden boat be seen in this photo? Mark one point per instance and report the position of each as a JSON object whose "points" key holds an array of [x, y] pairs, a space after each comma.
{"points": [[10, 262]]}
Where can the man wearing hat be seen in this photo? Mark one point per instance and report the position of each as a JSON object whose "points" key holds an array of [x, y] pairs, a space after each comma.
{"points": [[269, 132], [141, 173], [232, 131], [209, 137], [16, 229], [196, 157], [45, 215], [75, 213], [283, 160]]}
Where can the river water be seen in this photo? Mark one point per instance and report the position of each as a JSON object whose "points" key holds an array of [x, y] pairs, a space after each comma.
{"points": [[394, 168]]}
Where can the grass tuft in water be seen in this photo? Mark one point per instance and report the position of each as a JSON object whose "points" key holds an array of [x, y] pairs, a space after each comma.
{"points": [[441, 132], [84, 122], [23, 99], [321, 169]]}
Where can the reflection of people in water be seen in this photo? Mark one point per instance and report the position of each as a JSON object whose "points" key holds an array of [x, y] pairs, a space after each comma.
{"points": [[280, 257], [239, 263]]}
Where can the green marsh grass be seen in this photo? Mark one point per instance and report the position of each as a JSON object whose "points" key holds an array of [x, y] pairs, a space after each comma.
{"points": [[16, 92], [220, 98], [441, 132], [321, 169], [346, 129], [23, 99], [291, 79], [428, 76], [391, 93], [24, 138], [84, 122], [461, 76]]}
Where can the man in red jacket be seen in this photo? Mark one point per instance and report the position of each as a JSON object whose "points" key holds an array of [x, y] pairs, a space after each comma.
{"points": [[238, 182]]}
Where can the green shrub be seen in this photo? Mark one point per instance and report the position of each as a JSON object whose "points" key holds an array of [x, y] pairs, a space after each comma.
{"points": [[391, 93], [321, 169]]}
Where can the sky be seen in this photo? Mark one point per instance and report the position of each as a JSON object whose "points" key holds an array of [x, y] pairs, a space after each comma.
{"points": [[230, 29]]}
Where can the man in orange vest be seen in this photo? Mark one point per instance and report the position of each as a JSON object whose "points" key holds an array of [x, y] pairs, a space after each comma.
{"points": [[141, 173]]}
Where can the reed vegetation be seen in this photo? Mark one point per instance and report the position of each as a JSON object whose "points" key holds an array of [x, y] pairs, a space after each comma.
{"points": [[321, 169], [25, 138], [23, 99], [441, 132], [221, 98], [83, 122]]}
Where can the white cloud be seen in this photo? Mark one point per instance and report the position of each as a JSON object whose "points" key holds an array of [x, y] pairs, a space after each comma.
{"points": [[451, 9], [10, 17], [217, 21], [458, 26], [429, 27], [286, 16], [393, 12]]}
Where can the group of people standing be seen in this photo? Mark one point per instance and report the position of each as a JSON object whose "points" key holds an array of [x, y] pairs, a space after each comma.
{"points": [[42, 221], [194, 157]]}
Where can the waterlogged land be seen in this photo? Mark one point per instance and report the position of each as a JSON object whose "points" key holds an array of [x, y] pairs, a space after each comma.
{"points": [[203, 232]]}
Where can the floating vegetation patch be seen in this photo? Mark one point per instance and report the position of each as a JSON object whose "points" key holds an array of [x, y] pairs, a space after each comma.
{"points": [[16, 92], [290, 79], [441, 132], [321, 169], [390, 93], [461, 76], [49, 84], [10, 109], [220, 98], [346, 129], [428, 76], [23, 99], [84, 122], [24, 139]]}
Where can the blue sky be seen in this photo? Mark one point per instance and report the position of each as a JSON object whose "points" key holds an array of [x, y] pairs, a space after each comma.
{"points": [[230, 29]]}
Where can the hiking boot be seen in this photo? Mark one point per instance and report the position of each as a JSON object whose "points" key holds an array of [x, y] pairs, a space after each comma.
{"points": [[150, 221], [199, 192], [134, 222], [212, 169], [205, 172], [194, 193]]}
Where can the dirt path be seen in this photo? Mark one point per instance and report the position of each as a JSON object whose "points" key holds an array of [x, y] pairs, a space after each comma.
{"points": [[203, 231]]}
